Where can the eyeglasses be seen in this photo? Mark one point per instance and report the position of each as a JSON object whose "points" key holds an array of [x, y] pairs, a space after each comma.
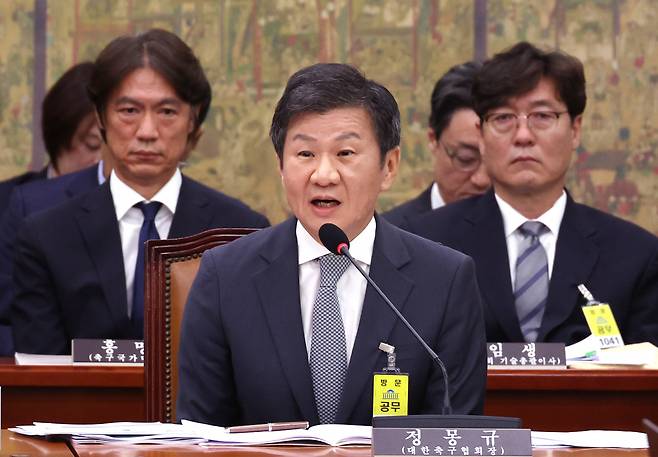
{"points": [[463, 158], [537, 120]]}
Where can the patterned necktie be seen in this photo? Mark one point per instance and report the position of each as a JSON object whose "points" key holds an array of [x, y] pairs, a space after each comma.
{"points": [[328, 358], [531, 284], [147, 232]]}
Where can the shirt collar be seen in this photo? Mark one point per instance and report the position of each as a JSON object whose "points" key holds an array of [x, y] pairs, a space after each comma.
{"points": [[552, 218], [125, 197], [436, 200], [360, 247], [99, 173]]}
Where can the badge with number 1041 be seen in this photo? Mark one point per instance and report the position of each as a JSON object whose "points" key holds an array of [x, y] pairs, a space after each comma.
{"points": [[603, 326]]}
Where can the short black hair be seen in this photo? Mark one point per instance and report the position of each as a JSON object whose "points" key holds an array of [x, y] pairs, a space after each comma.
{"points": [[452, 92], [518, 70], [160, 50], [65, 105], [323, 87]]}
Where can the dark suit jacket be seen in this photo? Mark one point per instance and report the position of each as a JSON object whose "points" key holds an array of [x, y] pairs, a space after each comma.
{"points": [[7, 186], [616, 260], [69, 273], [29, 198], [401, 215], [243, 356]]}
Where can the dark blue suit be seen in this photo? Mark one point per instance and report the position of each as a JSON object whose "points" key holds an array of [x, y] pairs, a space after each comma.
{"points": [[7, 186], [243, 356], [69, 272], [616, 260], [401, 215], [26, 199]]}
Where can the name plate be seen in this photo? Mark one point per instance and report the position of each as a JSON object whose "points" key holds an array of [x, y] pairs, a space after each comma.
{"points": [[526, 356], [108, 352], [451, 441]]}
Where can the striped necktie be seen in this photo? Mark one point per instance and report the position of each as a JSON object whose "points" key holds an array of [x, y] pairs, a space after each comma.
{"points": [[531, 283]]}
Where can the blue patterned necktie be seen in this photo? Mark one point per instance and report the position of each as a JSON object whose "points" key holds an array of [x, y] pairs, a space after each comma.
{"points": [[328, 355], [147, 232], [531, 283]]}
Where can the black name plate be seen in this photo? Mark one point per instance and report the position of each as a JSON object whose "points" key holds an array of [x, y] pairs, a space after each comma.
{"points": [[108, 351], [526, 356], [451, 441]]}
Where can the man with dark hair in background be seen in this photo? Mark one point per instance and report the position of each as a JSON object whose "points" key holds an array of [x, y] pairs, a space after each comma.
{"points": [[69, 130], [73, 142], [79, 266], [314, 325], [454, 142], [532, 244]]}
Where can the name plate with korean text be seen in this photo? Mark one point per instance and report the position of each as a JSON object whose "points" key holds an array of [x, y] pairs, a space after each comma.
{"points": [[108, 352], [526, 356], [453, 442]]}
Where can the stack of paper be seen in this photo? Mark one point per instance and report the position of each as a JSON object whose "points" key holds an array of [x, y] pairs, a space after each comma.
{"points": [[331, 434], [585, 354], [196, 433], [591, 438]]}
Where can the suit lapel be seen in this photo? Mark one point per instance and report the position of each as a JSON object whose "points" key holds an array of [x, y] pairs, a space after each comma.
{"points": [[278, 289], [488, 248], [190, 217], [576, 254], [377, 320], [96, 218]]}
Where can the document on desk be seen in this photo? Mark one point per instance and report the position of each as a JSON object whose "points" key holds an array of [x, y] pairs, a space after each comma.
{"points": [[328, 434], [195, 433], [591, 439], [128, 432]]}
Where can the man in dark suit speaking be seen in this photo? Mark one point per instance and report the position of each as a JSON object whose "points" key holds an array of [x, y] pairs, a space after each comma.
{"points": [[260, 342], [79, 266], [532, 244]]}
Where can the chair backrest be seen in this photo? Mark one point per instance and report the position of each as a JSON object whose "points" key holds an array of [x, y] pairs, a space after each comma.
{"points": [[171, 266]]}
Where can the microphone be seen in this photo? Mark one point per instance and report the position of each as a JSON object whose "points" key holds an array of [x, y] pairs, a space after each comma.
{"points": [[336, 241]]}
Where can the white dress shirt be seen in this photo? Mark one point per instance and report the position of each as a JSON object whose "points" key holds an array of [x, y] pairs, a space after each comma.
{"points": [[100, 174], [351, 287], [131, 219], [436, 200], [512, 220]]}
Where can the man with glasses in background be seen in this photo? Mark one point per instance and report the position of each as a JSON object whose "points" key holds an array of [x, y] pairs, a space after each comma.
{"points": [[453, 140], [532, 244]]}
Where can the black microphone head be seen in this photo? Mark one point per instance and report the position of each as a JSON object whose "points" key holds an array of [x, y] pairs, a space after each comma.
{"points": [[333, 238]]}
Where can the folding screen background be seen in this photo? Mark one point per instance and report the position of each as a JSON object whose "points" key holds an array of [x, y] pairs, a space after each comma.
{"points": [[250, 47]]}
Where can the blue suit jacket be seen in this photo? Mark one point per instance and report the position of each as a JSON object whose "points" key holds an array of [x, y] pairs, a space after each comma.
{"points": [[243, 356], [26, 199], [69, 273], [7, 186], [616, 260], [401, 215]]}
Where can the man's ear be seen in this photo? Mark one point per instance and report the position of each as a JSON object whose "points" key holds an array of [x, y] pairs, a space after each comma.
{"points": [[391, 167], [101, 126], [192, 140]]}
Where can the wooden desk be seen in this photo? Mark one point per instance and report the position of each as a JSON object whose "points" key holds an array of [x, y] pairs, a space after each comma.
{"points": [[17, 445], [14, 444], [569, 400], [546, 400], [90, 450], [70, 394]]}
